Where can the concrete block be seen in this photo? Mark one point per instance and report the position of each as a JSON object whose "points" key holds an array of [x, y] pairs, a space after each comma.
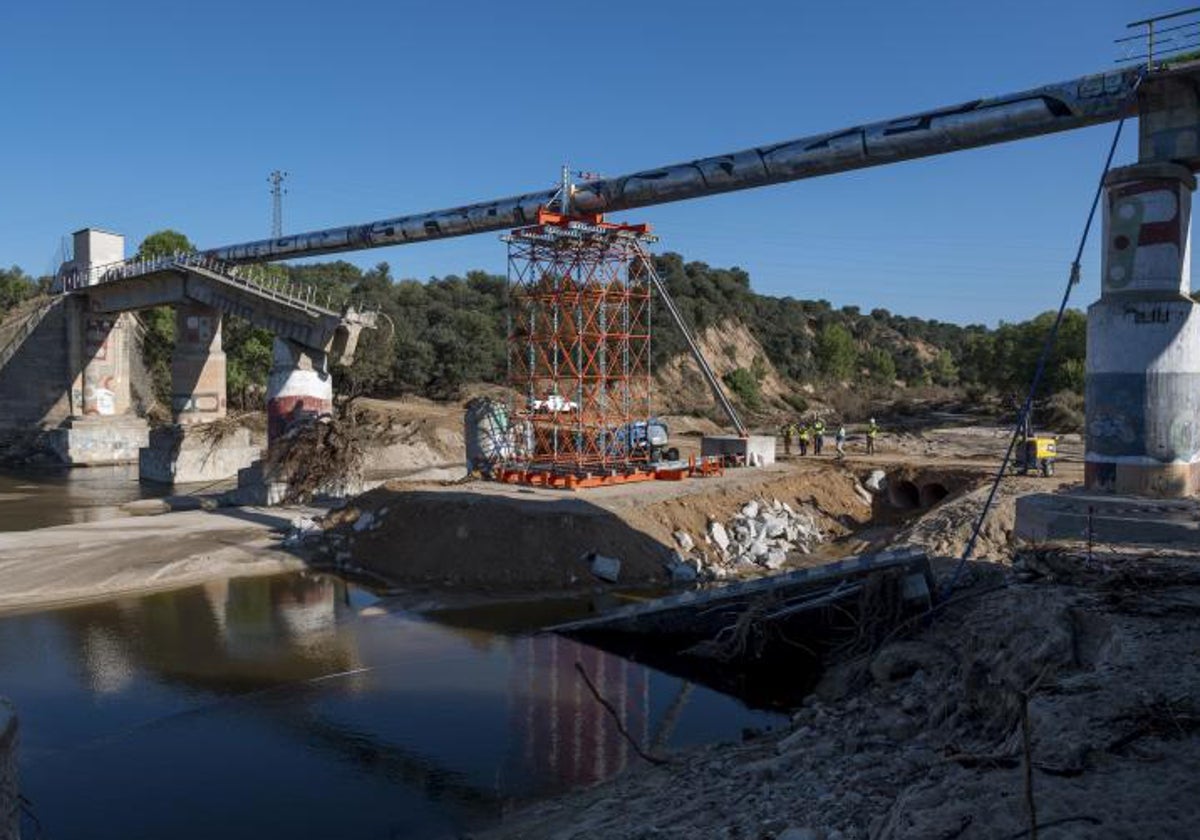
{"points": [[187, 455], [606, 568], [753, 451], [257, 487], [99, 441], [1112, 520]]}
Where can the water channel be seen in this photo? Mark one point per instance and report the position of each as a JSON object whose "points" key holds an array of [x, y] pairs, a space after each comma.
{"points": [[299, 706]]}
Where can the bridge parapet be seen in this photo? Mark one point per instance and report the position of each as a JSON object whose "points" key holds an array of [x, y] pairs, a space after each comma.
{"points": [[291, 311], [252, 276]]}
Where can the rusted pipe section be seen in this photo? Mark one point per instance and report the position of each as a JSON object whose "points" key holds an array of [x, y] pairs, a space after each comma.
{"points": [[1064, 106]]}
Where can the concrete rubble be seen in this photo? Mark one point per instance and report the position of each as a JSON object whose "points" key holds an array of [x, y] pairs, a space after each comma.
{"points": [[761, 535], [606, 568]]}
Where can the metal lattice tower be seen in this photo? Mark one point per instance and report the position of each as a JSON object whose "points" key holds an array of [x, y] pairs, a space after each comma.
{"points": [[275, 179], [579, 294]]}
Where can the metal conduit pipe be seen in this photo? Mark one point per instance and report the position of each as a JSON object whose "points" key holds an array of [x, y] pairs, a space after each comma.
{"points": [[1089, 100]]}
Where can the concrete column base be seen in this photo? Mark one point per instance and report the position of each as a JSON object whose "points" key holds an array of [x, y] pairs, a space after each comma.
{"points": [[99, 441], [188, 455], [1151, 479], [258, 484], [1110, 519]]}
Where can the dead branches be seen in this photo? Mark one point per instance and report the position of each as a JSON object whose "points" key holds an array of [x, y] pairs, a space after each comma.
{"points": [[608, 707]]}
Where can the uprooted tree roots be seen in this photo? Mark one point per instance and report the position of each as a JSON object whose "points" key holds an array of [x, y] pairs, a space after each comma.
{"points": [[320, 456]]}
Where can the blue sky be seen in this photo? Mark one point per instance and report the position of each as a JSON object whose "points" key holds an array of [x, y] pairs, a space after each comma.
{"points": [[135, 116]]}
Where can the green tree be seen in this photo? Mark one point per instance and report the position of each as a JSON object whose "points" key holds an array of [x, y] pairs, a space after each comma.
{"points": [[159, 340], [835, 352], [943, 371], [880, 365], [164, 243], [15, 287]]}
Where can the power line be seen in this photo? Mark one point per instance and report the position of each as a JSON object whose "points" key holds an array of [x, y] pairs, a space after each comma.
{"points": [[275, 179]]}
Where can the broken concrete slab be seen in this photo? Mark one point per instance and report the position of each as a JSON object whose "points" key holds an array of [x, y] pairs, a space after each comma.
{"points": [[606, 568]]}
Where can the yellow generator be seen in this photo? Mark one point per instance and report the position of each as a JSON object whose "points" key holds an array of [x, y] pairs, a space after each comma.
{"points": [[1036, 454]]}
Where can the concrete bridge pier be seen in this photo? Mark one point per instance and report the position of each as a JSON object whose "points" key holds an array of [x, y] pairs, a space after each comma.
{"points": [[102, 427], [188, 451], [300, 387], [1143, 344], [197, 366], [1142, 468]]}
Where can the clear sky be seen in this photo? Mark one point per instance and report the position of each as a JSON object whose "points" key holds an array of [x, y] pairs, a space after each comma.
{"points": [[134, 116]]}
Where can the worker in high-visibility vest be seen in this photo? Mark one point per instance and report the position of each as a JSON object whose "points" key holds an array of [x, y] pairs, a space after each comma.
{"points": [[872, 433], [818, 428], [802, 436]]}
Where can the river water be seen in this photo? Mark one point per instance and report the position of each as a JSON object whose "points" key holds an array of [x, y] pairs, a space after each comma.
{"points": [[277, 707], [40, 498]]}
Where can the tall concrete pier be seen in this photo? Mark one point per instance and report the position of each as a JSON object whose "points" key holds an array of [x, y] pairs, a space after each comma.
{"points": [[299, 387], [1143, 343], [101, 353], [197, 365]]}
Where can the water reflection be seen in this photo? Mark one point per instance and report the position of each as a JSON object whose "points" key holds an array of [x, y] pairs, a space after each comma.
{"points": [[41, 498], [274, 704]]}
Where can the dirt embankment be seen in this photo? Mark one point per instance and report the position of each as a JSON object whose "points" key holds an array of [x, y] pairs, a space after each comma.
{"points": [[483, 534], [1082, 673], [679, 386]]}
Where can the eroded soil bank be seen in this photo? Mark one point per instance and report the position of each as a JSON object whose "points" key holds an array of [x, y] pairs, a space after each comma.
{"points": [[482, 534], [1085, 671]]}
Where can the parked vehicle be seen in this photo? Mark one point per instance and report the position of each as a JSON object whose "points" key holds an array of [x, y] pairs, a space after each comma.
{"points": [[645, 437]]}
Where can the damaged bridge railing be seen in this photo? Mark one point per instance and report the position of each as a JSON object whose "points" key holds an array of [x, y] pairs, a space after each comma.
{"points": [[258, 278]]}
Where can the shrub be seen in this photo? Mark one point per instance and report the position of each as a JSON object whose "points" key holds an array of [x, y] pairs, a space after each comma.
{"points": [[745, 387]]}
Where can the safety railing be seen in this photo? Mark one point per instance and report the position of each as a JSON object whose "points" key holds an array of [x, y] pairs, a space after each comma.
{"points": [[255, 277]]}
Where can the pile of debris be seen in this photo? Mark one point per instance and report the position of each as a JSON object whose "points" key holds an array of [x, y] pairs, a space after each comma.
{"points": [[759, 536]]}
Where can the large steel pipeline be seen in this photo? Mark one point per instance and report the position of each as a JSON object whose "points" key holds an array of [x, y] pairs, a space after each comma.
{"points": [[1060, 107]]}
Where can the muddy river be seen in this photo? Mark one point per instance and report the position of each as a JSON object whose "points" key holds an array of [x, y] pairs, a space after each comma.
{"points": [[277, 707]]}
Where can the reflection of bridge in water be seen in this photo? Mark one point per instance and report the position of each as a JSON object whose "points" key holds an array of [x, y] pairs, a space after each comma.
{"points": [[270, 645]]}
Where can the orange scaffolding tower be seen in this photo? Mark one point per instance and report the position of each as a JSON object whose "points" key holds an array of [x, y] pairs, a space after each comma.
{"points": [[579, 298]]}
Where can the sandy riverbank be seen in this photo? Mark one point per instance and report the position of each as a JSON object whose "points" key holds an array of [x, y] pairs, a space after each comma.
{"points": [[133, 555]]}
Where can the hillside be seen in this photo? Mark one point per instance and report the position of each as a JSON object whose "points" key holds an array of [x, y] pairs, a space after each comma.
{"points": [[774, 353]]}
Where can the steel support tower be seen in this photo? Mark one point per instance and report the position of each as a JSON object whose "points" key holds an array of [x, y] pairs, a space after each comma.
{"points": [[579, 294]]}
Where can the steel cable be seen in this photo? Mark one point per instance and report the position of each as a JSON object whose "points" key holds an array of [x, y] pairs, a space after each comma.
{"points": [[1047, 349]]}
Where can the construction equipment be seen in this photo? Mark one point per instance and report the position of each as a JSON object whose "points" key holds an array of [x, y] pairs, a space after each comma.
{"points": [[1034, 452]]}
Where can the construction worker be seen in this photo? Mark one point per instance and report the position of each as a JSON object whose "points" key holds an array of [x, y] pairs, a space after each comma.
{"points": [[872, 432], [839, 441], [818, 428], [786, 431], [802, 434]]}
